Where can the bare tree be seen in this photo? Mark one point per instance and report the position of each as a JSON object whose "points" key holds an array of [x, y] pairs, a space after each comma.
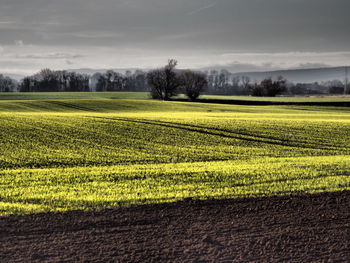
{"points": [[112, 81], [245, 82], [49, 80], [140, 79], [269, 87], [164, 82], [272, 88], [156, 80], [193, 83], [7, 84], [256, 90]]}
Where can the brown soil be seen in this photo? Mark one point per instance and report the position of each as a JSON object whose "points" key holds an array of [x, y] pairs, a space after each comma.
{"points": [[312, 228]]}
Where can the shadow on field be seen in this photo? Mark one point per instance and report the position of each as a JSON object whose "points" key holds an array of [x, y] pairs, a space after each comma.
{"points": [[71, 106], [268, 103], [302, 228], [225, 133]]}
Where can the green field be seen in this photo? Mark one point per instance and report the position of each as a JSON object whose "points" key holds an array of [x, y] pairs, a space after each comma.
{"points": [[144, 96], [72, 95], [73, 151]]}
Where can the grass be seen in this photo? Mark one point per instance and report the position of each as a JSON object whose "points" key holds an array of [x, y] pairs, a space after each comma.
{"points": [[144, 96], [94, 151], [72, 95]]}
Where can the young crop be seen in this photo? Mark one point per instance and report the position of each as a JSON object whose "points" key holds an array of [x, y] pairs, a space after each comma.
{"points": [[68, 154]]}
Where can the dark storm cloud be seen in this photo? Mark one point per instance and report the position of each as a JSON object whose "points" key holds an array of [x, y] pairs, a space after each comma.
{"points": [[171, 27], [230, 24]]}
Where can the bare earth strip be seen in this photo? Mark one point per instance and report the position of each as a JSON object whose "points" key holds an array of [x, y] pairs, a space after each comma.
{"points": [[309, 228]]}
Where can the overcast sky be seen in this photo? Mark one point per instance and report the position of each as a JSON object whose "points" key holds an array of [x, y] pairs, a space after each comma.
{"points": [[242, 35]]}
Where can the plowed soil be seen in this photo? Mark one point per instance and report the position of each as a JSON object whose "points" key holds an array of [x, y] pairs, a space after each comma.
{"points": [[311, 228]]}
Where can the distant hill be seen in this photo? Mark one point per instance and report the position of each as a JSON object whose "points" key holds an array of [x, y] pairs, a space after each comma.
{"points": [[17, 77], [293, 75], [300, 75], [91, 71]]}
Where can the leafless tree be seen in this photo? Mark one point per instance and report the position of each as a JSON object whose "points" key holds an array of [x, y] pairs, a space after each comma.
{"points": [[269, 87], [193, 83], [245, 82], [49, 80], [164, 82], [7, 84]]}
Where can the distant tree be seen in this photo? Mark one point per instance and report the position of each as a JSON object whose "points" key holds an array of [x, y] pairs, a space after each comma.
{"points": [[308, 88], [26, 85], [245, 82], [164, 82], [336, 90], [273, 88], [129, 81], [62, 80], [140, 79], [256, 90], [109, 78], [111, 81], [225, 83], [269, 87], [156, 80], [213, 81], [234, 87], [48, 80], [77, 82], [235, 81], [334, 86], [298, 89], [7, 84], [193, 83], [102, 83], [120, 83]]}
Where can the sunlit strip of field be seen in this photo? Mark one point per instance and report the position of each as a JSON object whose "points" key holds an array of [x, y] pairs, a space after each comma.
{"points": [[85, 188], [68, 154]]}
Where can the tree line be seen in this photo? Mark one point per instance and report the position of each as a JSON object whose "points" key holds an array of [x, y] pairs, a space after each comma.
{"points": [[165, 83], [55, 81], [114, 81]]}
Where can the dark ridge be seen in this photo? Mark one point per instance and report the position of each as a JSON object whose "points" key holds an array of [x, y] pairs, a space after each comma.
{"points": [[269, 103], [71, 106], [223, 133]]}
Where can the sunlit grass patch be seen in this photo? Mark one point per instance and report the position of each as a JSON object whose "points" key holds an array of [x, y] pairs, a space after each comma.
{"points": [[67, 154]]}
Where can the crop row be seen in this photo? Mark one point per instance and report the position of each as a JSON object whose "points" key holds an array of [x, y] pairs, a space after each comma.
{"points": [[54, 141], [62, 189]]}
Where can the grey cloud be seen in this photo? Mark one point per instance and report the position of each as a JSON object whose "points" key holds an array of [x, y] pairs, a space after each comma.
{"points": [[312, 65], [95, 34], [174, 28], [50, 56], [202, 8], [227, 24], [19, 42], [243, 67]]}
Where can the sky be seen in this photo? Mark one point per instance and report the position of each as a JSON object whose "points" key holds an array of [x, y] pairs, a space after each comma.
{"points": [[241, 35]]}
